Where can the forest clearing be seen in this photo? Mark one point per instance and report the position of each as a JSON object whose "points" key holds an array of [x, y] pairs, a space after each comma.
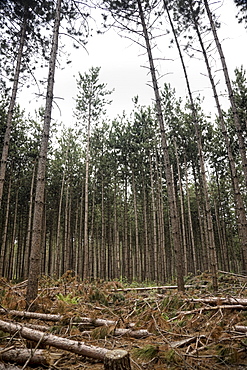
{"points": [[95, 209], [159, 327]]}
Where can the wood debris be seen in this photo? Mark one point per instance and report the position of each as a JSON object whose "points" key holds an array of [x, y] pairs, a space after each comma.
{"points": [[80, 326]]}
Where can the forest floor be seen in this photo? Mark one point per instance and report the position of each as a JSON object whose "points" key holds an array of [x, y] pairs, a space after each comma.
{"points": [[160, 328]]}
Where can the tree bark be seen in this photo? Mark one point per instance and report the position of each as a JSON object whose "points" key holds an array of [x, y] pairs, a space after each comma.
{"points": [[34, 268], [7, 134], [237, 123], [5, 232], [29, 228], [52, 340], [238, 199], [208, 221], [86, 241], [171, 196], [22, 355], [117, 360]]}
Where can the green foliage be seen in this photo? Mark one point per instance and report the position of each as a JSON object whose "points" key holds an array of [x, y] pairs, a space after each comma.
{"points": [[96, 295], [69, 298], [118, 298], [92, 97], [146, 353]]}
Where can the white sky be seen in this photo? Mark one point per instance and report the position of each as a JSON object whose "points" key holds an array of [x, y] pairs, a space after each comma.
{"points": [[121, 69]]}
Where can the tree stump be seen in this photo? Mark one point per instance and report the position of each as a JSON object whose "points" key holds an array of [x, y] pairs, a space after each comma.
{"points": [[117, 360]]}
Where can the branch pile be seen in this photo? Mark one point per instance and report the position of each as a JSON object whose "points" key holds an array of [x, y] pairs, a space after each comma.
{"points": [[79, 325]]}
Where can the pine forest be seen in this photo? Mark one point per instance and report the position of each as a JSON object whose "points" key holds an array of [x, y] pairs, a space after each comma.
{"points": [[155, 197]]}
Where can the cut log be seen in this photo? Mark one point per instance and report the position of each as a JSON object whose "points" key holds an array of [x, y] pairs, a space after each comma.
{"points": [[220, 300], [164, 287], [117, 360], [21, 355], [241, 328], [55, 341], [51, 317], [118, 332], [231, 273], [32, 315], [209, 308]]}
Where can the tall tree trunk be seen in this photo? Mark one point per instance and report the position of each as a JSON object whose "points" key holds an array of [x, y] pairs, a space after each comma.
{"points": [[66, 254], [170, 191], [29, 228], [57, 270], [11, 106], [125, 261], [86, 248], [239, 205], [191, 231], [237, 123], [103, 253], [91, 250], [34, 269], [153, 249], [210, 231], [13, 252], [80, 234], [5, 232], [182, 210], [137, 256], [146, 258]]}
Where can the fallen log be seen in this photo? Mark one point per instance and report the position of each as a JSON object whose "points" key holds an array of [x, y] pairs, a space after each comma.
{"points": [[119, 332], [53, 340], [164, 287], [241, 328], [22, 355], [183, 342], [31, 315], [117, 360], [220, 300], [54, 318], [209, 308], [232, 273], [140, 333]]}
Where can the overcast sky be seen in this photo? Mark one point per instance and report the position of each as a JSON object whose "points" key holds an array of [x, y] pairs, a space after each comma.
{"points": [[122, 62]]}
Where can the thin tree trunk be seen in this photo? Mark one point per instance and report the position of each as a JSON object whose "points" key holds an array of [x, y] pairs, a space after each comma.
{"points": [[67, 231], [103, 239], [12, 258], [29, 228], [34, 269], [210, 231], [91, 250], [11, 106], [230, 94], [154, 247], [171, 196], [137, 259], [239, 205], [146, 262], [182, 211], [58, 238], [80, 235], [5, 233], [190, 223]]}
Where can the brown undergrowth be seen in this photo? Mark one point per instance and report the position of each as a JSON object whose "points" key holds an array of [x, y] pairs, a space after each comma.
{"points": [[180, 331]]}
